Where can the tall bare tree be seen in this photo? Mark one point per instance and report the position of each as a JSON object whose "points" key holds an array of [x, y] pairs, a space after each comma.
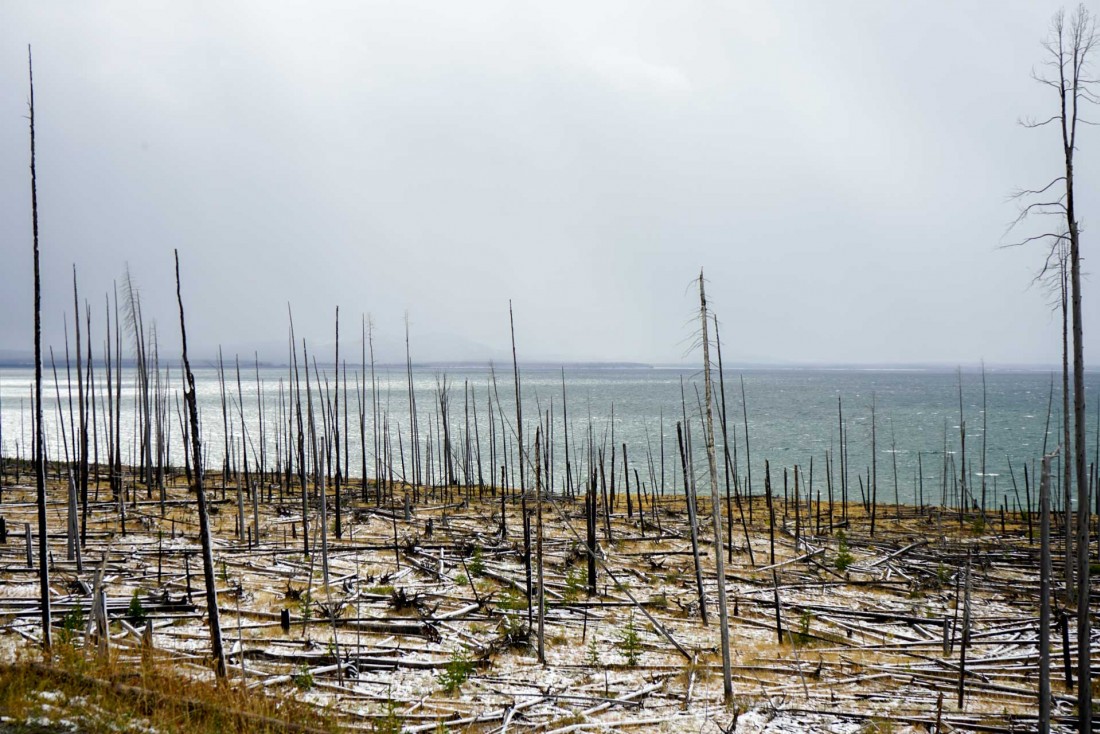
{"points": [[213, 617], [1069, 46], [715, 502], [39, 425]]}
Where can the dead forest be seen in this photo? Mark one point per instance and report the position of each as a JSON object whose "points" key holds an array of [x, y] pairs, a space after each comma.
{"points": [[329, 566], [541, 577]]}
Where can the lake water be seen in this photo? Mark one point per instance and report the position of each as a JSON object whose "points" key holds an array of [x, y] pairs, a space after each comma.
{"points": [[792, 418]]}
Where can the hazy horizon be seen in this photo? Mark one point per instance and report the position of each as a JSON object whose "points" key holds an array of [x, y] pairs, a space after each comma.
{"points": [[14, 359]]}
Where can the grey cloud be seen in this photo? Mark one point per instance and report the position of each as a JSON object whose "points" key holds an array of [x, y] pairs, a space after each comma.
{"points": [[840, 169]]}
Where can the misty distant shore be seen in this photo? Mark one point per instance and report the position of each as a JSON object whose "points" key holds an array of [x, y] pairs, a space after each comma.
{"points": [[26, 361]]}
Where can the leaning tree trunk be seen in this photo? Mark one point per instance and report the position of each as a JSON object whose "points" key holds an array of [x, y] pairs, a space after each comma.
{"points": [[200, 493]]}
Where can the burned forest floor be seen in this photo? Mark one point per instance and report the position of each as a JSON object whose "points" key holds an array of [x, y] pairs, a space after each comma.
{"points": [[425, 624]]}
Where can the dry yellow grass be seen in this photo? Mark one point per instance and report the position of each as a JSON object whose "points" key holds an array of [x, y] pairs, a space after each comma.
{"points": [[72, 687]]}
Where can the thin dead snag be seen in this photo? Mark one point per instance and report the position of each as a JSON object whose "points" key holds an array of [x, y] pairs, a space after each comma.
{"points": [[39, 426], [715, 502], [689, 500], [538, 552], [200, 494], [1044, 596]]}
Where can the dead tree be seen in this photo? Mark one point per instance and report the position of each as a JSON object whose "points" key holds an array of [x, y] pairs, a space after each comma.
{"points": [[730, 464], [200, 494], [689, 497], [715, 502], [39, 425], [336, 430], [873, 488], [1068, 455], [1054, 275], [1044, 596], [83, 435], [1069, 46], [538, 553]]}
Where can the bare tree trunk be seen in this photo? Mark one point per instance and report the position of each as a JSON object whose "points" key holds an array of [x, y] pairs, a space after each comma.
{"points": [[213, 616], [985, 424], [689, 498], [519, 404], [965, 632], [120, 488], [413, 433], [1044, 598], [874, 468], [962, 451], [339, 528], [244, 455], [83, 436], [324, 521], [39, 426], [538, 552], [590, 527], [748, 453], [1067, 454], [715, 502], [729, 463], [296, 391], [1071, 48]]}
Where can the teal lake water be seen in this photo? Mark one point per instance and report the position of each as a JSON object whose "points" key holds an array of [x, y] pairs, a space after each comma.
{"points": [[792, 417]]}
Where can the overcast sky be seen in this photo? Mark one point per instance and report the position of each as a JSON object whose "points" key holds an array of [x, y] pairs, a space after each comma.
{"points": [[841, 170]]}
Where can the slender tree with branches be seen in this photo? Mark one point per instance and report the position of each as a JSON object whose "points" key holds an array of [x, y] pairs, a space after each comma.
{"points": [[1069, 46]]}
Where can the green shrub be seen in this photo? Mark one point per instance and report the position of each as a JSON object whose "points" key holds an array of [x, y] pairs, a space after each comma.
{"points": [[630, 643], [512, 600], [844, 557], [515, 632], [136, 612], [592, 655], [303, 678], [384, 590], [305, 605], [457, 670], [802, 636], [476, 566], [574, 584], [390, 721], [72, 624]]}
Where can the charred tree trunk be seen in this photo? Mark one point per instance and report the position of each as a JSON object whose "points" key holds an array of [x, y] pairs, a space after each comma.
{"points": [[39, 426], [213, 616]]}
